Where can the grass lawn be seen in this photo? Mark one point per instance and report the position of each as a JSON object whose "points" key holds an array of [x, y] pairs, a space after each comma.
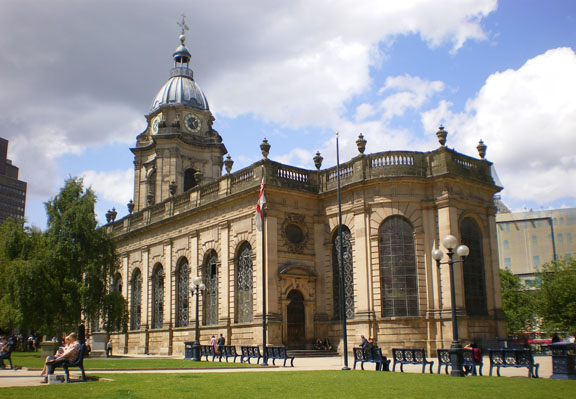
{"points": [[300, 385], [32, 360]]}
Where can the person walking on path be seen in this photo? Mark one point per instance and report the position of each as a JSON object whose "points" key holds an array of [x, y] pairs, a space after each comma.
{"points": [[109, 348]]}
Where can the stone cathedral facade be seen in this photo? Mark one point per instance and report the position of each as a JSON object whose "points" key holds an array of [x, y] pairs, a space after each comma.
{"points": [[192, 215]]}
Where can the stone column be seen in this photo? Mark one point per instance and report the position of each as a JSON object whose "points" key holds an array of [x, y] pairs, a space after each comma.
{"points": [[224, 273], [363, 294]]}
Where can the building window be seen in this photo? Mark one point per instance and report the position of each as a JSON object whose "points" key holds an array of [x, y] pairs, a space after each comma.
{"points": [[244, 284], [348, 267], [534, 241], [136, 300], [506, 244], [157, 296], [536, 261], [210, 298], [182, 293], [559, 239], [508, 263], [569, 238], [398, 269], [474, 282], [189, 179]]}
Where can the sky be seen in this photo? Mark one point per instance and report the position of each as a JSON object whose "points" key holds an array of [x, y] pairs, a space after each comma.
{"points": [[78, 77]]}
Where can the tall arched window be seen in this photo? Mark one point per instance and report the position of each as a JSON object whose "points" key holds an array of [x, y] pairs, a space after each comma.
{"points": [[474, 280], [244, 284], [182, 294], [348, 265], [189, 179], [398, 270], [157, 296], [210, 298], [136, 300]]}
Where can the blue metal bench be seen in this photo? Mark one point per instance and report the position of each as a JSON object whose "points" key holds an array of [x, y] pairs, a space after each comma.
{"points": [[415, 356], [207, 351], [513, 358], [467, 361], [78, 363], [250, 352], [278, 353], [227, 351], [370, 355]]}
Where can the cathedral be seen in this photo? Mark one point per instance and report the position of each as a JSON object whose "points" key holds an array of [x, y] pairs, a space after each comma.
{"points": [[192, 219]]}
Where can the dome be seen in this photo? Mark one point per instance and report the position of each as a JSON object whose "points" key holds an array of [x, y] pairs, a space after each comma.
{"points": [[181, 89]]}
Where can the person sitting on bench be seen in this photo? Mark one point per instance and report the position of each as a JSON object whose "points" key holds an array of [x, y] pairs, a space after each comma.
{"points": [[69, 354], [4, 351]]}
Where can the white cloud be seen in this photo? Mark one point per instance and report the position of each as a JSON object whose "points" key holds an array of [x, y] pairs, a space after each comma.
{"points": [[115, 185], [527, 117]]}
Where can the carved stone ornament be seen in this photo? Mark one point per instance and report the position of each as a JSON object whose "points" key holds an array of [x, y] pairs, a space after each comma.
{"points": [[265, 148], [318, 160], [228, 162], [441, 134], [481, 149], [361, 143], [294, 233]]}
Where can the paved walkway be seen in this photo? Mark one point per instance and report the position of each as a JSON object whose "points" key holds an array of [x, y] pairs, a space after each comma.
{"points": [[23, 377]]}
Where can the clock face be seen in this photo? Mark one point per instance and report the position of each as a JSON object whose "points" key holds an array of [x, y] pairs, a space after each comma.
{"points": [[155, 123], [192, 123]]}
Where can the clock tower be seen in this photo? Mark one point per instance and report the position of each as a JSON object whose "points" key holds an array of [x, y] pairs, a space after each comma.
{"points": [[179, 149]]}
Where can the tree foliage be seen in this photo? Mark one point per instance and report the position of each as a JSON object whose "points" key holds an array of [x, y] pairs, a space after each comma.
{"points": [[59, 277], [556, 297], [517, 302]]}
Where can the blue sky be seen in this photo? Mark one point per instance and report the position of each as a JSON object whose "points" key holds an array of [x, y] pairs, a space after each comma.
{"points": [[78, 77]]}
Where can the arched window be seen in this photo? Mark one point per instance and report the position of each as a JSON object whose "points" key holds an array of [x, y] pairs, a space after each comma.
{"points": [[244, 284], [348, 273], [189, 179], [474, 280], [151, 180], [182, 287], [136, 300], [157, 296], [210, 298], [398, 271]]}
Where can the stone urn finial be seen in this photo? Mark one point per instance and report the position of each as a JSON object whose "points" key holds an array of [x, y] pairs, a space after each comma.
{"points": [[481, 147], [111, 215], [228, 162], [198, 177], [441, 134], [150, 199], [361, 143], [265, 148], [130, 206], [318, 160], [172, 188]]}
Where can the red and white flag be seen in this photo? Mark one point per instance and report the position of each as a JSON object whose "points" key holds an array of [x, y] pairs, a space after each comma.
{"points": [[260, 206]]}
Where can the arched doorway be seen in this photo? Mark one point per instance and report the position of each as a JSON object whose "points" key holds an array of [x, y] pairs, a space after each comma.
{"points": [[296, 320]]}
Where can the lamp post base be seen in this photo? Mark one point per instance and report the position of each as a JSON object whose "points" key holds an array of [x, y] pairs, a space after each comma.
{"points": [[456, 358], [196, 351]]}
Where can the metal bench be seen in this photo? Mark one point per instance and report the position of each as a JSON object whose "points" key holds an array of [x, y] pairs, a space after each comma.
{"points": [[77, 363], [415, 356], [513, 358], [467, 361], [227, 351], [278, 353], [370, 355], [206, 351], [250, 352]]}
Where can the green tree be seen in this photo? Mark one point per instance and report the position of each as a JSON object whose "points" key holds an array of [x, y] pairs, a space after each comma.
{"points": [[556, 297], [58, 278], [517, 303]]}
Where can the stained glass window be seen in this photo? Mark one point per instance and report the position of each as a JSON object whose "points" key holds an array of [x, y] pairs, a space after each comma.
{"points": [[474, 280], [210, 298], [348, 273], [157, 296], [398, 270], [244, 284], [136, 300], [182, 293]]}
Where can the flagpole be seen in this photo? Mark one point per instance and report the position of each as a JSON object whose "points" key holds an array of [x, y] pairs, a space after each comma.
{"points": [[265, 358], [341, 262]]}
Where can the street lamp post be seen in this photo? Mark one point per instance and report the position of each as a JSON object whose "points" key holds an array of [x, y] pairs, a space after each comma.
{"points": [[197, 288], [449, 242]]}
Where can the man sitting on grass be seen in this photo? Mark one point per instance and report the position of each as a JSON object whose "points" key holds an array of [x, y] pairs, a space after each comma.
{"points": [[4, 351], [69, 354]]}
